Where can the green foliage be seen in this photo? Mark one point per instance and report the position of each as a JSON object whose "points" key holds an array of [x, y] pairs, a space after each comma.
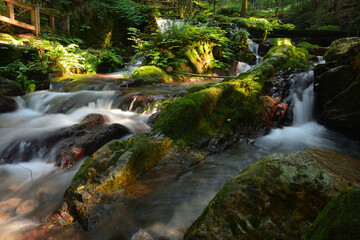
{"points": [[51, 54], [170, 47], [18, 71]]}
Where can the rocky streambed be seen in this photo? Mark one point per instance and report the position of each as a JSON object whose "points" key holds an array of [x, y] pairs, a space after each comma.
{"points": [[154, 183]]}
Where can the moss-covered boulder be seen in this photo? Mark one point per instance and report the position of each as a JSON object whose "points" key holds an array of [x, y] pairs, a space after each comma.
{"points": [[147, 75], [234, 105], [339, 47], [277, 197], [340, 219], [337, 86], [113, 169]]}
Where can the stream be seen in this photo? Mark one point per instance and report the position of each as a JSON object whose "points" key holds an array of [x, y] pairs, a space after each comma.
{"points": [[29, 191]]}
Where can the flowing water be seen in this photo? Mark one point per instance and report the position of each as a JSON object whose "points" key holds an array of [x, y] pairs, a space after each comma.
{"points": [[174, 198], [178, 196]]}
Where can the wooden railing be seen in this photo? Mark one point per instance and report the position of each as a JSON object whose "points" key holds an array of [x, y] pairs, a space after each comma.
{"points": [[35, 12]]}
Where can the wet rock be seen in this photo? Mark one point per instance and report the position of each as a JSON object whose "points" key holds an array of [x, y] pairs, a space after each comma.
{"points": [[112, 170], [339, 47], [337, 84], [7, 104], [340, 219], [141, 235], [10, 88], [71, 143], [74, 149], [277, 197], [152, 118]]}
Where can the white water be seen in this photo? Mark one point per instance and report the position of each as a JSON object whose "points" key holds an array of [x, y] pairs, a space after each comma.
{"points": [[29, 191], [128, 69], [166, 24], [254, 47], [244, 67]]}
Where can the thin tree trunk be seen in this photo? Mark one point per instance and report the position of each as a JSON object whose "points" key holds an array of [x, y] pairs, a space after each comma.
{"points": [[243, 8]]}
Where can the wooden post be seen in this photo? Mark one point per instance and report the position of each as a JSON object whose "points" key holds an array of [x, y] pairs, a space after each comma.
{"points": [[10, 10], [37, 19], [52, 21]]}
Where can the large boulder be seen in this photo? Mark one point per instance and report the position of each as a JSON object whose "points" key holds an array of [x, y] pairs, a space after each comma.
{"points": [[277, 197], [337, 84], [340, 219], [98, 187], [340, 47]]}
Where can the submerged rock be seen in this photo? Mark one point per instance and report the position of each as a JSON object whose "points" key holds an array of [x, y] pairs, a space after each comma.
{"points": [[340, 219], [99, 185], [277, 197]]}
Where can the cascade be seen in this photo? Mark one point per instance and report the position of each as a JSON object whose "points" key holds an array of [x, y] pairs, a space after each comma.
{"points": [[254, 47]]}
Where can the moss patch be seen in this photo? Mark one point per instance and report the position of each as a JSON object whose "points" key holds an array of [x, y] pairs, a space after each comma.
{"points": [[147, 75], [340, 219]]}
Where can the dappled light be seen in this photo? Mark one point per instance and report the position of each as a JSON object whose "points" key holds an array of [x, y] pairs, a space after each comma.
{"points": [[136, 119]]}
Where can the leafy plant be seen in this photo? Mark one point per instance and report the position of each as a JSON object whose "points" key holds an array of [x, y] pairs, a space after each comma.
{"points": [[169, 48], [18, 71]]}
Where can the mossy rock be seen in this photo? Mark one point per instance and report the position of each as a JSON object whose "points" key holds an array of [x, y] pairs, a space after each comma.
{"points": [[340, 47], [340, 219], [225, 106], [111, 170], [147, 75], [277, 197]]}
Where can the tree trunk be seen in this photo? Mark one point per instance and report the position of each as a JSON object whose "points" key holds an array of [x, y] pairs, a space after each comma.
{"points": [[243, 8]]}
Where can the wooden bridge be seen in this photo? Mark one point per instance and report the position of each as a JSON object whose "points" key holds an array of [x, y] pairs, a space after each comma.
{"points": [[35, 12]]}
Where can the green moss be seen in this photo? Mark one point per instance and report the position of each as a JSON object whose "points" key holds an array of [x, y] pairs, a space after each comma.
{"points": [[339, 47], [145, 154], [340, 219], [307, 45], [150, 74]]}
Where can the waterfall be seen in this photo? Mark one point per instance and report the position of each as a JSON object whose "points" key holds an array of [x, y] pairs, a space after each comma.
{"points": [[302, 93], [166, 24], [242, 67], [254, 47]]}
